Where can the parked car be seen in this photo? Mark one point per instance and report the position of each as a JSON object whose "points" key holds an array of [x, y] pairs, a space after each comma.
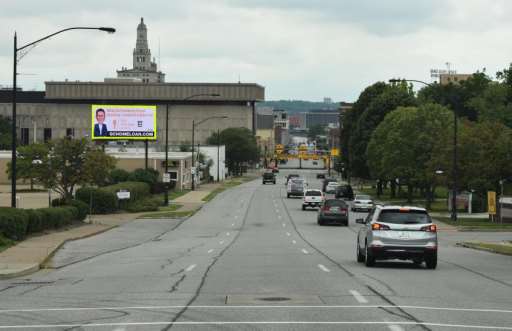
{"points": [[345, 192], [296, 187], [362, 202], [331, 187], [327, 181], [315, 162], [320, 175], [312, 198], [290, 176], [333, 211], [269, 177], [275, 169], [394, 232]]}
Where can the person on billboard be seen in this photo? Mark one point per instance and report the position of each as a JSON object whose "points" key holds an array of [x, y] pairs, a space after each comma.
{"points": [[100, 128]]}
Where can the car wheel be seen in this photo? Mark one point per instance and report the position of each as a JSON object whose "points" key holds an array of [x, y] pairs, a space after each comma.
{"points": [[274, 182], [287, 195], [369, 259], [320, 222], [346, 223], [303, 207], [360, 257], [431, 261], [417, 261]]}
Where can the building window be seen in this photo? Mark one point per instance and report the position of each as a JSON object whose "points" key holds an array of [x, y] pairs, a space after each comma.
{"points": [[70, 132], [24, 136], [47, 134]]}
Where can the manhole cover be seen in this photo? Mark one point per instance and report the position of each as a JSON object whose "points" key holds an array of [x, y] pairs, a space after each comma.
{"points": [[275, 299]]}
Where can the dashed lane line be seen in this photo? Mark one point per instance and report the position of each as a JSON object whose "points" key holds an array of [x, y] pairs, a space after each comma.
{"points": [[358, 296], [190, 267], [323, 268], [305, 251]]}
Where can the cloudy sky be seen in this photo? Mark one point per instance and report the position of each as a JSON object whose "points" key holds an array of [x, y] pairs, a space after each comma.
{"points": [[297, 49]]}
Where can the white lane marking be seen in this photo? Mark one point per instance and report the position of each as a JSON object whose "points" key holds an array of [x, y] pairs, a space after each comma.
{"points": [[323, 307], [323, 268], [288, 234], [119, 329], [232, 224], [227, 233], [284, 225], [358, 296], [157, 323], [294, 242], [236, 216], [190, 267], [210, 250], [221, 242], [279, 216], [305, 251]]}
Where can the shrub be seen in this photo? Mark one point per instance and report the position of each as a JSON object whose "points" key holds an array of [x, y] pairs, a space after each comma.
{"points": [[158, 188], [119, 175], [149, 176], [36, 220], [82, 207], [103, 200], [147, 204], [13, 223], [138, 190]]}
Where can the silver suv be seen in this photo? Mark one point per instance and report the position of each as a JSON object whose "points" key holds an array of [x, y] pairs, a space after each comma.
{"points": [[395, 232]]}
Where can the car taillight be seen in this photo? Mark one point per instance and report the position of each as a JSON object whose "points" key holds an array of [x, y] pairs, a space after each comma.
{"points": [[429, 228], [344, 211], [378, 226], [326, 208]]}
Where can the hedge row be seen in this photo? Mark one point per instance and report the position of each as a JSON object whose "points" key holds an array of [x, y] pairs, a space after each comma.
{"points": [[104, 200], [16, 224]]}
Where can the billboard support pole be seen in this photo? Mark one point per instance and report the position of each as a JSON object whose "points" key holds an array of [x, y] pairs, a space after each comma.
{"points": [[166, 196], [146, 154]]}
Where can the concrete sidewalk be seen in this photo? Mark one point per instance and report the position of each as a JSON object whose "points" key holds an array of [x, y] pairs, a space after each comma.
{"points": [[30, 255]]}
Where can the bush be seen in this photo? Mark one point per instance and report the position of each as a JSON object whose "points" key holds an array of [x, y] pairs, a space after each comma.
{"points": [[13, 223], [36, 220], [58, 202], [147, 204], [82, 208], [58, 216], [158, 188], [103, 201], [138, 190], [149, 176], [119, 175]]}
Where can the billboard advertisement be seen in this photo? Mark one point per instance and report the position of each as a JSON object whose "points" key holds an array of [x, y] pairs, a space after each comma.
{"points": [[123, 122]]}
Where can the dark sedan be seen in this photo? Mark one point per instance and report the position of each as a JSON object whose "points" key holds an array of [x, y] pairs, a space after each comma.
{"points": [[333, 211]]}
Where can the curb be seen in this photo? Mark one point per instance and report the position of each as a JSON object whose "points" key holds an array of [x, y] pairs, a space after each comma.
{"points": [[490, 250], [42, 265]]}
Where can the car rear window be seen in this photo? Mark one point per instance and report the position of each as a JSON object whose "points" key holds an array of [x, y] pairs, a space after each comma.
{"points": [[313, 193], [404, 217], [363, 197], [335, 203]]}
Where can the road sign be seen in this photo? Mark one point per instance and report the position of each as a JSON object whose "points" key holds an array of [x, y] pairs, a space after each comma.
{"points": [[335, 152], [491, 202], [193, 170], [166, 177]]}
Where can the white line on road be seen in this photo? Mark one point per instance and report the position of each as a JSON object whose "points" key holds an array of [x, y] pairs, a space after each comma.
{"points": [[394, 327], [236, 216], [305, 251], [358, 296], [323, 268], [228, 234], [284, 225], [279, 216], [232, 224], [221, 242], [288, 234], [210, 250], [294, 242], [158, 323], [190, 267]]}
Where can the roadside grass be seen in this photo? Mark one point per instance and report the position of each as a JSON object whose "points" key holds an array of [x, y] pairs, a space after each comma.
{"points": [[176, 194], [5, 243], [226, 185], [504, 248], [169, 214], [475, 224]]}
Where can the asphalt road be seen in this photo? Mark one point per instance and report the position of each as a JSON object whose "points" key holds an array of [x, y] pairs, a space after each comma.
{"points": [[251, 259]]}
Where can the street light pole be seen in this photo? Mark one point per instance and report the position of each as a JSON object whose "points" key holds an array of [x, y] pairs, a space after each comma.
{"points": [[14, 90], [218, 155]]}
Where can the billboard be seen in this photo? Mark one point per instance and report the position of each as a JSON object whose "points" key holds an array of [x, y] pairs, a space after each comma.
{"points": [[123, 122]]}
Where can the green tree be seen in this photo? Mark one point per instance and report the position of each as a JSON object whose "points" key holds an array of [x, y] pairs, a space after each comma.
{"points": [[241, 147], [403, 144], [28, 160], [64, 164], [391, 98], [316, 130]]}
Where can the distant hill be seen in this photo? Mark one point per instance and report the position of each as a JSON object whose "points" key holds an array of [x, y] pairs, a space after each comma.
{"points": [[297, 106]]}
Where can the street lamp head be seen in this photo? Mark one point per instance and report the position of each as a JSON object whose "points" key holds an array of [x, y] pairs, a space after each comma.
{"points": [[107, 29], [394, 80]]}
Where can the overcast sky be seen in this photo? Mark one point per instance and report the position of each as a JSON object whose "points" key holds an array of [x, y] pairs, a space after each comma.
{"points": [[297, 49]]}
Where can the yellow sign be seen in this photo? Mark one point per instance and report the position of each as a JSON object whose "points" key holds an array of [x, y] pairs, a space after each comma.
{"points": [[279, 147], [335, 152], [491, 202]]}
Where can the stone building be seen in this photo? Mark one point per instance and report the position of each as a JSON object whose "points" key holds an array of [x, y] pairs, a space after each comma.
{"points": [[143, 68]]}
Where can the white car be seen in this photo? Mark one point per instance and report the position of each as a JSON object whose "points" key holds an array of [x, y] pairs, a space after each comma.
{"points": [[362, 202], [312, 198], [331, 187]]}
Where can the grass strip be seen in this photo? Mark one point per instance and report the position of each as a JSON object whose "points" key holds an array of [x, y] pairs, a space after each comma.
{"points": [[475, 224], [505, 249], [169, 214]]}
